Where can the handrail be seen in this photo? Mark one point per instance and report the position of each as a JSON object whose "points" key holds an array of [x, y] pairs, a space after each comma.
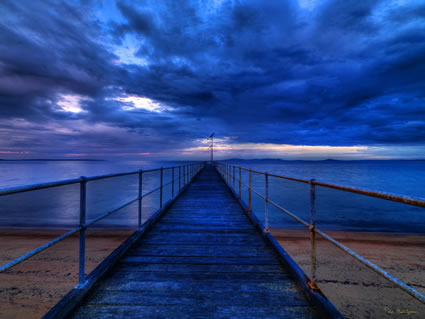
{"points": [[230, 179], [415, 201], [189, 172], [27, 188]]}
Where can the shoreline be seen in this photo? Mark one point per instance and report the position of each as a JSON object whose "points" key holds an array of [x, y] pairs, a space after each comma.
{"points": [[114, 227], [31, 288]]}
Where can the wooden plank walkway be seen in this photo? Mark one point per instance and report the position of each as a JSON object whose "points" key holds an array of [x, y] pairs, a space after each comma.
{"points": [[202, 259]]}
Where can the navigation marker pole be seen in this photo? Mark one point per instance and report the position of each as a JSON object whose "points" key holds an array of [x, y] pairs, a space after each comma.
{"points": [[212, 147]]}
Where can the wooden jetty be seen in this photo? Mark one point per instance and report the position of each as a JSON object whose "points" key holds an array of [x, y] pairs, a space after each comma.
{"points": [[203, 257]]}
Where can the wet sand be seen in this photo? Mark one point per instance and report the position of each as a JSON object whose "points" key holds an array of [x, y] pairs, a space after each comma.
{"points": [[355, 290], [31, 288]]}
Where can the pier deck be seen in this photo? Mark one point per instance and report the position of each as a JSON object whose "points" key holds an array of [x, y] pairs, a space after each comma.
{"points": [[202, 258]]}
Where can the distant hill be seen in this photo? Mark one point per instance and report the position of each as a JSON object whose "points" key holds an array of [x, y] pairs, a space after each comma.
{"points": [[52, 160], [281, 161]]}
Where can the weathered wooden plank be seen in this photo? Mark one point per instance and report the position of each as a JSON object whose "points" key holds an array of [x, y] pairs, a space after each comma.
{"points": [[208, 219], [212, 260], [199, 311], [117, 297], [202, 276], [219, 286], [209, 236], [201, 251], [207, 242], [200, 268], [202, 223], [205, 229]]}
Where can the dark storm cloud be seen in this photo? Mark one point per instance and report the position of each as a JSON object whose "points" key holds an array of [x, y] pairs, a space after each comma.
{"points": [[339, 73], [46, 48], [276, 66]]}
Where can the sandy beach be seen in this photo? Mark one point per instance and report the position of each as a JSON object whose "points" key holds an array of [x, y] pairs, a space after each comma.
{"points": [[355, 290], [30, 289]]}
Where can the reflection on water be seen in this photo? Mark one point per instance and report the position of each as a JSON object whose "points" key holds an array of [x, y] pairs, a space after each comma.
{"points": [[335, 209]]}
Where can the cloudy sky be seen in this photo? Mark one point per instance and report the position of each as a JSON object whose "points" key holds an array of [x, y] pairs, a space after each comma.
{"points": [[306, 79]]}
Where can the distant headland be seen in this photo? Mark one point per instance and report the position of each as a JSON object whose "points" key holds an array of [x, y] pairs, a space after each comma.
{"points": [[280, 161], [53, 160]]}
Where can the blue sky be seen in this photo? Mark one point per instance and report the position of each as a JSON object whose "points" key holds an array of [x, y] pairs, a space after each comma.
{"points": [[152, 79]]}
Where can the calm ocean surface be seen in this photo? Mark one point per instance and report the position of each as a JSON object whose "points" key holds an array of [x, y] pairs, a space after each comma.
{"points": [[336, 210]]}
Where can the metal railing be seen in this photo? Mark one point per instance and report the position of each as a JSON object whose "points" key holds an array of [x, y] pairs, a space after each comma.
{"points": [[185, 175], [229, 175]]}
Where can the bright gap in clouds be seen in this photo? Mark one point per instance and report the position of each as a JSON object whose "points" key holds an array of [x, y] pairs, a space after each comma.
{"points": [[226, 149], [71, 103], [132, 102]]}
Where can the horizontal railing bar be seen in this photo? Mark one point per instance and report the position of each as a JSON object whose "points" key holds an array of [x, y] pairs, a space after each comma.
{"points": [[255, 192], [110, 212], [291, 178], [388, 196], [287, 212], [419, 202], [94, 178], [150, 192], [151, 170], [155, 189], [413, 292], [27, 188], [38, 250]]}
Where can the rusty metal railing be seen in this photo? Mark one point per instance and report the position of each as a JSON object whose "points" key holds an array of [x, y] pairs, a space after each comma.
{"points": [[229, 176], [185, 175]]}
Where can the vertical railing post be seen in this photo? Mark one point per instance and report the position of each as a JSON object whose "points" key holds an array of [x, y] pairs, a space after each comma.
{"points": [[227, 174], [172, 182], [140, 199], [180, 178], [249, 191], [240, 184], [266, 204], [160, 189], [82, 257], [313, 229], [234, 179]]}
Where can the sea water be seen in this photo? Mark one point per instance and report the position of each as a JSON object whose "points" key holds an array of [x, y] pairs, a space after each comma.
{"points": [[335, 210]]}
